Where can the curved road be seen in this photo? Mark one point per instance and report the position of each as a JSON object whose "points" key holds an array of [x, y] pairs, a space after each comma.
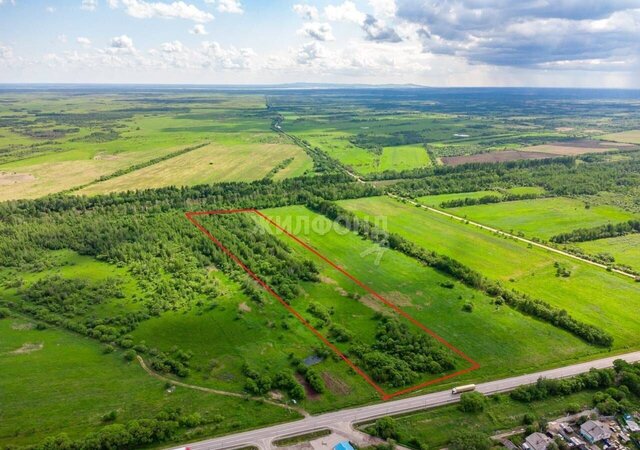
{"points": [[339, 420]]}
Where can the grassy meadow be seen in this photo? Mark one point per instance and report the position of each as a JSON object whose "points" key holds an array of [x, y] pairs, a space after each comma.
{"points": [[54, 381], [590, 293], [625, 249], [426, 295], [54, 144], [630, 137], [542, 217]]}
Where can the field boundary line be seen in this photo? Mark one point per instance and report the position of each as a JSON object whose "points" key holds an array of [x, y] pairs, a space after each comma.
{"points": [[504, 233], [383, 394]]}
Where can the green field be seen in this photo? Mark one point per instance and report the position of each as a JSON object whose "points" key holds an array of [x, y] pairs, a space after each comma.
{"points": [[419, 290], [434, 428], [95, 137], [255, 333], [625, 249], [590, 293], [110, 273], [542, 217], [64, 382]]}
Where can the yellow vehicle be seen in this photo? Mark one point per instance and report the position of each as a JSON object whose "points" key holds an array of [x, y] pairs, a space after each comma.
{"points": [[465, 388]]}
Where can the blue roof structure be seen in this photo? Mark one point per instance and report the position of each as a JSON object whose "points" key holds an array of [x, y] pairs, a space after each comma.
{"points": [[344, 445]]}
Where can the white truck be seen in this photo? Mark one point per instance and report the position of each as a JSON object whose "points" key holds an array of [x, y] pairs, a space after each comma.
{"points": [[465, 388]]}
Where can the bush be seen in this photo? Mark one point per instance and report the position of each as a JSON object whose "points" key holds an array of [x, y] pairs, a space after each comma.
{"points": [[110, 416], [572, 408], [472, 402], [385, 428], [467, 307], [470, 440], [129, 355], [4, 312]]}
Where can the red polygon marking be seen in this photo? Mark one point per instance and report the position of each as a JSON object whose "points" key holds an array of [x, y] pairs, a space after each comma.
{"points": [[379, 389]]}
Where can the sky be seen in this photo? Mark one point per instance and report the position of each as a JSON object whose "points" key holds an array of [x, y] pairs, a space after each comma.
{"points": [[557, 43]]}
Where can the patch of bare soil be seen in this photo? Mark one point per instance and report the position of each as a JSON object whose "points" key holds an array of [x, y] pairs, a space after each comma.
{"points": [[106, 157], [341, 291], [22, 326], [327, 280], [564, 129], [276, 395], [244, 307], [9, 178], [28, 347], [335, 385], [395, 297], [578, 147], [495, 157], [311, 394]]}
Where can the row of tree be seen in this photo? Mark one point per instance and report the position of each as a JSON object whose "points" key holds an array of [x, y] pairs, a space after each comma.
{"points": [[487, 199], [600, 232], [466, 275]]}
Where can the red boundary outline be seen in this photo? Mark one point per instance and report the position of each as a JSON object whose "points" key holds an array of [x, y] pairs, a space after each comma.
{"points": [[383, 394]]}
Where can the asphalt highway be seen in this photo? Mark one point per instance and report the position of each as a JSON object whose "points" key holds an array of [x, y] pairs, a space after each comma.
{"points": [[336, 420]]}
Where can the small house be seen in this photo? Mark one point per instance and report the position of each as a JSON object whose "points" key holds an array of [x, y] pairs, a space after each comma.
{"points": [[538, 441], [595, 431]]}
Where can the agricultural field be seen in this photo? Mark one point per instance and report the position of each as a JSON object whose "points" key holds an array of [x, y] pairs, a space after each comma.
{"points": [[590, 293], [427, 296], [55, 144], [542, 217], [631, 137], [116, 304], [625, 249], [230, 158], [578, 147]]}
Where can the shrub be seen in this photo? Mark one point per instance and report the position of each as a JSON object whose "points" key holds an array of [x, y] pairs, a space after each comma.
{"points": [[110, 416], [385, 428], [470, 440], [472, 402]]}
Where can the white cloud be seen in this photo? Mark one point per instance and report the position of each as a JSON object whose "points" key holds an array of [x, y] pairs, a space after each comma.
{"points": [[199, 29], [89, 5], [6, 53], [310, 52], [172, 47], [113, 4], [62, 38], [346, 12], [7, 2], [230, 6], [50, 9], [85, 42], [307, 12], [123, 42], [141, 9], [317, 30], [384, 8]]}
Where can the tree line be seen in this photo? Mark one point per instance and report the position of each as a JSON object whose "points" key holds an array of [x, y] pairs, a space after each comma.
{"points": [[521, 302], [600, 232]]}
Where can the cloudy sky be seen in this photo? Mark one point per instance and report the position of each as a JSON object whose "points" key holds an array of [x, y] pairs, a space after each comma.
{"points": [[578, 43]]}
